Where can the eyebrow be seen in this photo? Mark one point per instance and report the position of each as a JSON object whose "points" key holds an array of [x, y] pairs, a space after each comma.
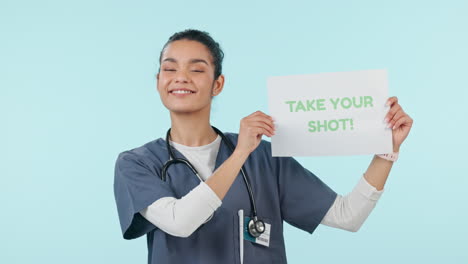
{"points": [[192, 61]]}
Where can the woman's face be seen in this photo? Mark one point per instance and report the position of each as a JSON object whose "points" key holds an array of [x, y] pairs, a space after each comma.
{"points": [[186, 79]]}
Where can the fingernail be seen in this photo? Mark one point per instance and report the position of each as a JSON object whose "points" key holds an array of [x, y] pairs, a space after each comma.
{"points": [[389, 125], [386, 120], [387, 103]]}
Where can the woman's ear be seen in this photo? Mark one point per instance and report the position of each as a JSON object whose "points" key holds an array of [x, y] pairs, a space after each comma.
{"points": [[218, 85], [157, 82]]}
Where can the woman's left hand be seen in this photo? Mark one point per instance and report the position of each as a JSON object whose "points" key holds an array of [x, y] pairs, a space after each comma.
{"points": [[399, 121]]}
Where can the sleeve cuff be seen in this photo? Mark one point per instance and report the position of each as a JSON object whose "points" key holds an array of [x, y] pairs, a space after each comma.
{"points": [[207, 194], [368, 190]]}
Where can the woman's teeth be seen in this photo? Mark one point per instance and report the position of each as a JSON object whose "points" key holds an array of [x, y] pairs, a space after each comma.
{"points": [[181, 91]]}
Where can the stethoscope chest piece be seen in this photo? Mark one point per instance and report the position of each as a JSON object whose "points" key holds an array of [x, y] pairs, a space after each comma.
{"points": [[256, 227]]}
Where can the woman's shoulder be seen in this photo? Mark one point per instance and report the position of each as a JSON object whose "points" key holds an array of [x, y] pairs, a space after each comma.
{"points": [[147, 153]]}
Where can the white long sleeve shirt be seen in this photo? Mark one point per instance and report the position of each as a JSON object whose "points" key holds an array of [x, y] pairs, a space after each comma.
{"points": [[181, 217]]}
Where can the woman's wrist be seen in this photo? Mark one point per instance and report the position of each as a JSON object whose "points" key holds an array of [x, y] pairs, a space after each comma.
{"points": [[389, 156]]}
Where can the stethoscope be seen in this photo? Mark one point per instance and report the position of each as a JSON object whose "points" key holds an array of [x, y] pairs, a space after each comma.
{"points": [[256, 227]]}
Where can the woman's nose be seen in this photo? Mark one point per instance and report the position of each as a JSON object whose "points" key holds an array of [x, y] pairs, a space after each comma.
{"points": [[181, 76]]}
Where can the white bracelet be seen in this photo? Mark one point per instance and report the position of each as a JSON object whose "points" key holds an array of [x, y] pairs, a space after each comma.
{"points": [[389, 156]]}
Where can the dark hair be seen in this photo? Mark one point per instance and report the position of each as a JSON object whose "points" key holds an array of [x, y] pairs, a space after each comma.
{"points": [[205, 39]]}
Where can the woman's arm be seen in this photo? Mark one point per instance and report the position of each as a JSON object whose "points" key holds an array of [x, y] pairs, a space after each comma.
{"points": [[181, 217], [252, 128], [378, 171], [400, 122], [349, 212], [224, 176]]}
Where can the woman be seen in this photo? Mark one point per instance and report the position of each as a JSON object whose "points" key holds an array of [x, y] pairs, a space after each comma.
{"points": [[190, 219]]}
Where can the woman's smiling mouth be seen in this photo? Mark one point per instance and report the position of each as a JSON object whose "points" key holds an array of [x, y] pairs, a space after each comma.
{"points": [[181, 91]]}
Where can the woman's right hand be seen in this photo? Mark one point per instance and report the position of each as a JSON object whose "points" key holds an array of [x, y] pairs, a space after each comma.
{"points": [[252, 128]]}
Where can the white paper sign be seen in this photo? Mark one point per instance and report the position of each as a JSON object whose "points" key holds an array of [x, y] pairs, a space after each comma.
{"points": [[338, 113]]}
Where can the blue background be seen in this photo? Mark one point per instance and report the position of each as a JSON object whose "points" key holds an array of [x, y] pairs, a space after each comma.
{"points": [[78, 87]]}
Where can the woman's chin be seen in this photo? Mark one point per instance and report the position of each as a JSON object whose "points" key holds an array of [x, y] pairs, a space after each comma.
{"points": [[184, 110]]}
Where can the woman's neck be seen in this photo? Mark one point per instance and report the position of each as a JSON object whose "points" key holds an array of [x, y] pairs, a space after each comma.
{"points": [[192, 131]]}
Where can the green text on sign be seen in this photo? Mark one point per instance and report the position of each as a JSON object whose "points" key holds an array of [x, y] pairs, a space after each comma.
{"points": [[333, 103]]}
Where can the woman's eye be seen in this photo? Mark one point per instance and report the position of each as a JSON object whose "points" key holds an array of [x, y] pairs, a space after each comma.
{"points": [[168, 69], [198, 71]]}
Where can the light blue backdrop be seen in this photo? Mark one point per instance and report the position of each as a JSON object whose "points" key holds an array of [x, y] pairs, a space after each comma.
{"points": [[78, 87]]}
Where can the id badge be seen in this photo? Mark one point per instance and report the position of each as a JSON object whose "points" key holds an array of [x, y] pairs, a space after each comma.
{"points": [[263, 239]]}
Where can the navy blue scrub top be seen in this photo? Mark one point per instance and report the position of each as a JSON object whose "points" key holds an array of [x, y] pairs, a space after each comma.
{"points": [[283, 191]]}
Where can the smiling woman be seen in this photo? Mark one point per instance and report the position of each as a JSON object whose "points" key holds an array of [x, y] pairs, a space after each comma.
{"points": [[186, 81], [195, 219]]}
